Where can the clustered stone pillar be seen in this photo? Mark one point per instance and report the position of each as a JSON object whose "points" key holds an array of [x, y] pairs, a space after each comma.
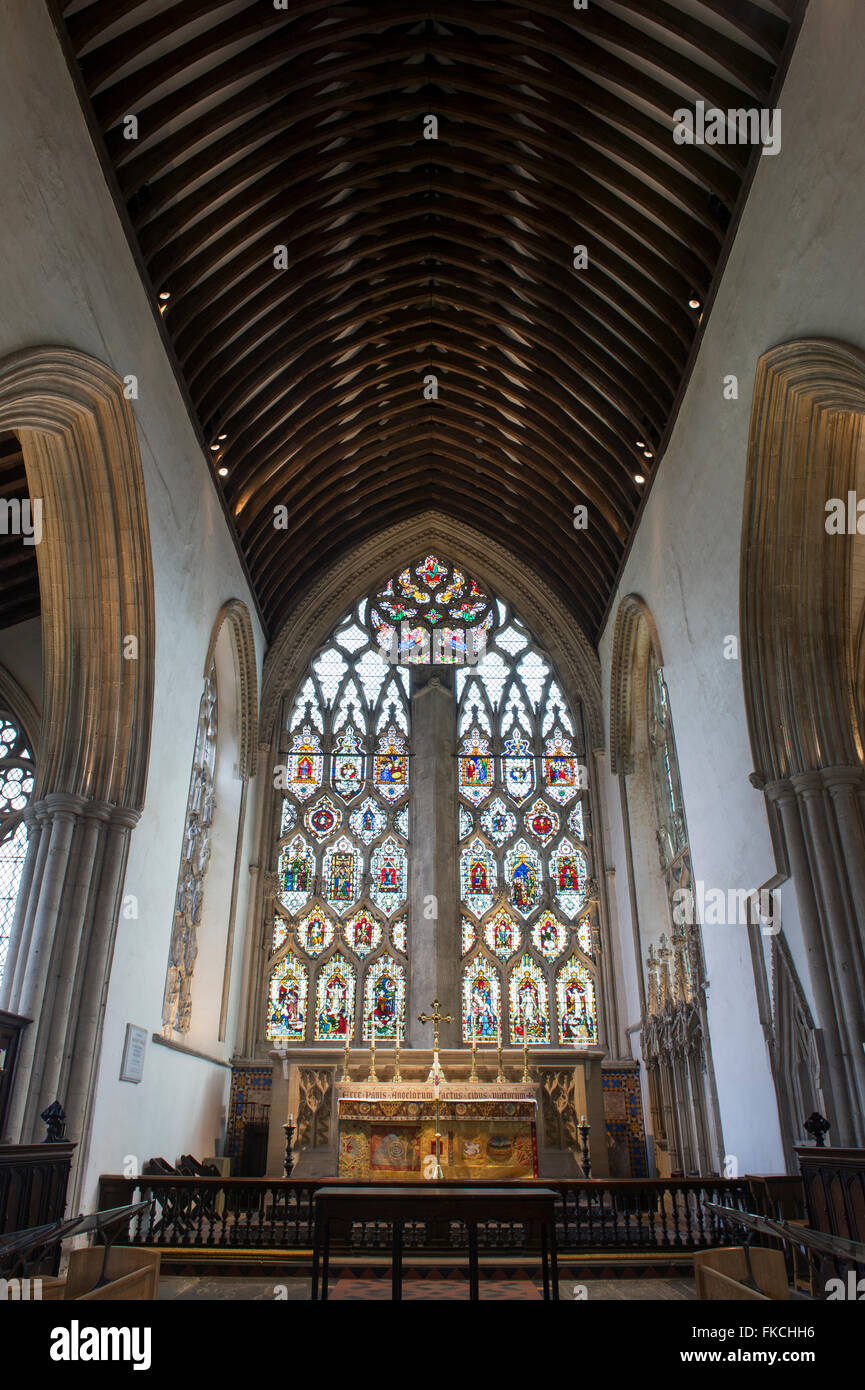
{"points": [[433, 886], [824, 829], [60, 953]]}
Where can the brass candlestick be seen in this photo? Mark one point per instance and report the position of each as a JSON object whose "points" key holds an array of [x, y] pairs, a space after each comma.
{"points": [[372, 1076], [473, 1074], [345, 1072], [525, 1057], [397, 1075], [500, 1076]]}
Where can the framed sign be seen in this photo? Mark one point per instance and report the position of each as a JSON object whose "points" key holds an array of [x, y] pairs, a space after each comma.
{"points": [[132, 1065]]}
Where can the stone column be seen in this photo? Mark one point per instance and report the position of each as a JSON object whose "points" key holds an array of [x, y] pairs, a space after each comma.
{"points": [[825, 843], [25, 910], [695, 1066], [433, 879], [63, 943], [611, 1031], [671, 1119]]}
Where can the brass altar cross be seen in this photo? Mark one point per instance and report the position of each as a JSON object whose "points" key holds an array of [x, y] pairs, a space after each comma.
{"points": [[435, 1018]]}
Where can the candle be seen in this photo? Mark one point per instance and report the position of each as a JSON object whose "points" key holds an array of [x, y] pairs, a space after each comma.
{"points": [[290, 1117]]}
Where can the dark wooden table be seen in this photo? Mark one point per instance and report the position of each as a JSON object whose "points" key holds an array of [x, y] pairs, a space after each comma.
{"points": [[535, 1207]]}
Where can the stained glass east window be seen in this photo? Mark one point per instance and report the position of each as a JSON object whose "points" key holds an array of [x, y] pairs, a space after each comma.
{"points": [[342, 851], [524, 855], [344, 824]]}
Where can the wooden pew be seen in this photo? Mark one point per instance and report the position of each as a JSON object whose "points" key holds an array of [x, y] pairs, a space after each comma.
{"points": [[723, 1274]]}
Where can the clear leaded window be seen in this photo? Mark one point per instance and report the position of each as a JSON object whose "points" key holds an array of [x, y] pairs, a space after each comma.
{"points": [[16, 788]]}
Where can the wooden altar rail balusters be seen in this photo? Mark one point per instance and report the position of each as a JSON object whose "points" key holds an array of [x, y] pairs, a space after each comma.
{"points": [[648, 1214]]}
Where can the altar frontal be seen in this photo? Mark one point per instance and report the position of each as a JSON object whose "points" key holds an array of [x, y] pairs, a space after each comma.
{"points": [[390, 1132]]}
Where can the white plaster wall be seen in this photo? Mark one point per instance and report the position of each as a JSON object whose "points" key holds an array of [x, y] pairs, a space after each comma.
{"points": [[67, 277], [797, 269]]}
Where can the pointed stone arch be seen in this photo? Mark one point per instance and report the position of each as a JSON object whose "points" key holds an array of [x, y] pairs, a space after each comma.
{"points": [[635, 634], [798, 671], [806, 428], [14, 697], [492, 564], [236, 615], [80, 449], [682, 1097]]}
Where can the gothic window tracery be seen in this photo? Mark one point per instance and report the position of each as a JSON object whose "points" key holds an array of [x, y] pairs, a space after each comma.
{"points": [[342, 846], [525, 875], [17, 770], [342, 840]]}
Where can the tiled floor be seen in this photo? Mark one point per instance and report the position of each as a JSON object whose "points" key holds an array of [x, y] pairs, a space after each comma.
{"points": [[297, 1290]]}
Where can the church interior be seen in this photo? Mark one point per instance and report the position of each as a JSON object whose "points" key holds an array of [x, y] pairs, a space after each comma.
{"points": [[432, 783]]}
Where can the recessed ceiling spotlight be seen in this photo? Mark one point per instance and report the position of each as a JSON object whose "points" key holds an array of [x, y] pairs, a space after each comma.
{"points": [[165, 295], [220, 437], [647, 453], [695, 302], [641, 443], [638, 478], [214, 448], [223, 471]]}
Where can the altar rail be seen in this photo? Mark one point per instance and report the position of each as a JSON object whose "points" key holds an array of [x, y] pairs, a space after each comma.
{"points": [[275, 1214]]}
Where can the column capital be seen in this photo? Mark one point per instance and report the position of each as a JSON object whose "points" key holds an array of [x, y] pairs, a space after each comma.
{"points": [[67, 805], [816, 781]]}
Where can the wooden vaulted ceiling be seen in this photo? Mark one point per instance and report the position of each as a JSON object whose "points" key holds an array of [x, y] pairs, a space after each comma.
{"points": [[304, 127]]}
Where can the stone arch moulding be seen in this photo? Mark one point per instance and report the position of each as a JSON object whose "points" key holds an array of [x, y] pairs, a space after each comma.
{"points": [[80, 450], [806, 422], [501, 569], [634, 633], [797, 672], [78, 438], [236, 614], [18, 702]]}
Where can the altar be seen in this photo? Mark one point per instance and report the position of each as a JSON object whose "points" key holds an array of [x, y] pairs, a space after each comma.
{"points": [[363, 1129], [388, 1131]]}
